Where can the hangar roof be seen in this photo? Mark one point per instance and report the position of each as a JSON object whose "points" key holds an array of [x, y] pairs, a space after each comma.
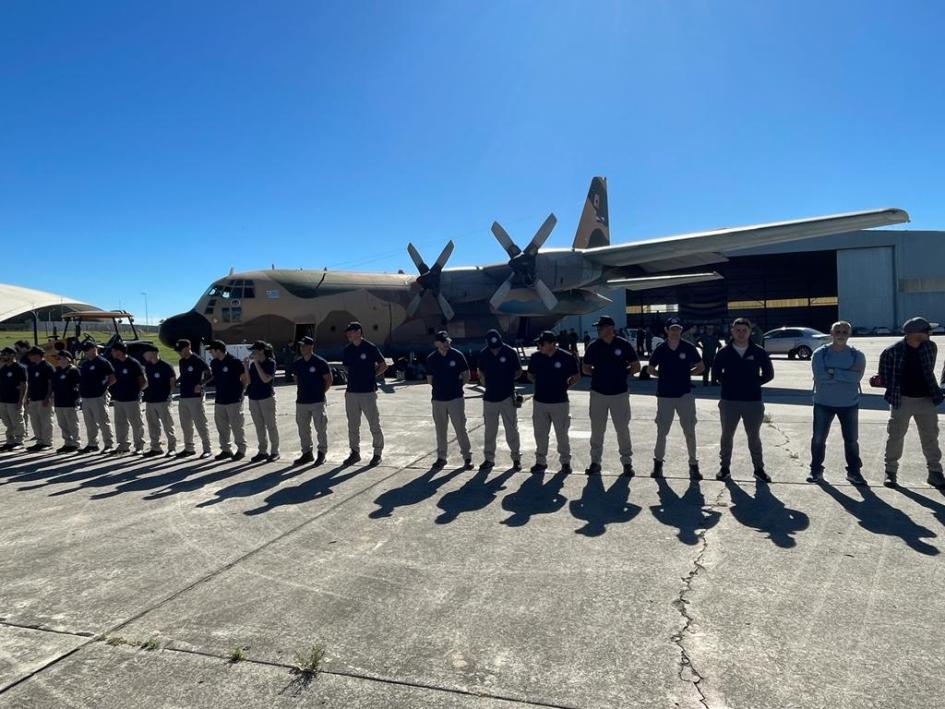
{"points": [[16, 301]]}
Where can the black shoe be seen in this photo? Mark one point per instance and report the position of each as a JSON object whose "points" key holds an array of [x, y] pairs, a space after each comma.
{"points": [[259, 457], [486, 465], [516, 464], [184, 454], [273, 457], [439, 463], [114, 452], [105, 449], [935, 479], [566, 469], [89, 449], [320, 458], [306, 457], [539, 468], [467, 464], [762, 475], [152, 454], [628, 471], [170, 454], [694, 473], [657, 469], [35, 447], [891, 479], [592, 469], [856, 477], [223, 455], [375, 460], [239, 455], [351, 459], [206, 454], [7, 447], [64, 449], [816, 476], [724, 473]]}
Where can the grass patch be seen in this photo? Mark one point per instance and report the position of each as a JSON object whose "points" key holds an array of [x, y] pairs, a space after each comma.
{"points": [[117, 640], [238, 654], [150, 644]]}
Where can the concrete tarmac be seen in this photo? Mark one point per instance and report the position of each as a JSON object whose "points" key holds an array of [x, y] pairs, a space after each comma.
{"points": [[130, 582]]}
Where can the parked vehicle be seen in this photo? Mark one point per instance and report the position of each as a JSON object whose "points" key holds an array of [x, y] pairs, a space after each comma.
{"points": [[799, 342]]}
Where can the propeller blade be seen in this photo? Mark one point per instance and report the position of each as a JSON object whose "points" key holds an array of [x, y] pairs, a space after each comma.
{"points": [[544, 231], [417, 259], [499, 296], [505, 240], [445, 306], [414, 304], [544, 292], [444, 255]]}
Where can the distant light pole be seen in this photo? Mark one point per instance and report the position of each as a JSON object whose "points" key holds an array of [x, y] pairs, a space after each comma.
{"points": [[147, 319]]}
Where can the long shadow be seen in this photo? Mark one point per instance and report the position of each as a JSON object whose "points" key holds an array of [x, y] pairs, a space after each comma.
{"points": [[166, 477], [937, 508], [766, 513], [311, 489], [686, 512], [411, 493], [599, 507], [248, 488], [879, 517], [534, 497], [131, 470], [477, 493], [192, 484]]}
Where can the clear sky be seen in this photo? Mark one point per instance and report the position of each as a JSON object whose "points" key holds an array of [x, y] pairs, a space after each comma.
{"points": [[152, 146]]}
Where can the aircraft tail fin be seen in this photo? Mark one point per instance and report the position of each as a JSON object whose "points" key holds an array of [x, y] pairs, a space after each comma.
{"points": [[594, 228]]}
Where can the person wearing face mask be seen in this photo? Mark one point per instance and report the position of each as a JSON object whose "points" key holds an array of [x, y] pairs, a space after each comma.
{"points": [[262, 400], [499, 367], [12, 398], [447, 374], [837, 368]]}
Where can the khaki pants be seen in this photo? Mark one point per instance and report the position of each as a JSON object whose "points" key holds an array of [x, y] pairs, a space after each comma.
{"points": [[128, 415], [229, 419], [356, 405], [192, 413], [68, 419], [95, 414], [11, 415], [544, 416], [263, 413], [617, 406], [158, 416], [454, 412], [491, 411], [666, 409], [926, 421], [305, 416], [751, 414], [41, 421]]}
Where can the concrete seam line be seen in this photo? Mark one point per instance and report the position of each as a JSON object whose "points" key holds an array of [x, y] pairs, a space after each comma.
{"points": [[49, 664], [42, 629]]}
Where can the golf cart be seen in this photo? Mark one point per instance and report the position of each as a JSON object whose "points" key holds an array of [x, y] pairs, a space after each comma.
{"points": [[130, 335]]}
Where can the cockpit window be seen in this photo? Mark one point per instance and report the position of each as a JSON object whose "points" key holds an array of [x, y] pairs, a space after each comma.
{"points": [[215, 290]]}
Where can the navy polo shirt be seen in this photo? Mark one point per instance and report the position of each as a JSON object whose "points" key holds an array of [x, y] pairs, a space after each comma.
{"points": [[226, 379], [94, 375], [309, 376], [610, 364], [674, 378], [258, 389], [446, 370], [551, 375], [11, 376], [126, 386], [192, 372], [65, 386], [39, 374], [360, 361], [500, 368], [159, 377]]}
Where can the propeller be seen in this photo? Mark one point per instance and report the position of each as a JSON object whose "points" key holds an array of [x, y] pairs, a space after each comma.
{"points": [[523, 264], [429, 280]]}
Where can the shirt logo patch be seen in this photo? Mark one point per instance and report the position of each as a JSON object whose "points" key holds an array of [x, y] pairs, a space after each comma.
{"points": [[62, 376], [618, 351], [750, 357], [9, 374], [682, 355], [364, 355], [311, 369], [226, 369], [502, 360], [36, 374], [157, 375], [124, 370], [190, 368], [452, 363], [557, 365]]}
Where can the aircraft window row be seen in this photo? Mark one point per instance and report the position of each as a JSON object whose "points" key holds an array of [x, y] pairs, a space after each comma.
{"points": [[231, 314], [234, 289], [241, 282]]}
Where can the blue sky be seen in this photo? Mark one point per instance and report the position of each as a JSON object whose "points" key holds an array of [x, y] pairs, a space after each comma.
{"points": [[152, 146]]}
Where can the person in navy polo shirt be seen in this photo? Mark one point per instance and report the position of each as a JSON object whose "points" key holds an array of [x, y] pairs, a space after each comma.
{"points": [[96, 374], [65, 387], [230, 380], [447, 373], [193, 374], [39, 392], [157, 401], [262, 400], [742, 368], [126, 399], [364, 364], [499, 367], [674, 363], [12, 398], [553, 371], [313, 379], [610, 360]]}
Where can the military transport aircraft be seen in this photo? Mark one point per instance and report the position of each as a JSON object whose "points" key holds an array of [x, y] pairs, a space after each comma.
{"points": [[530, 292]]}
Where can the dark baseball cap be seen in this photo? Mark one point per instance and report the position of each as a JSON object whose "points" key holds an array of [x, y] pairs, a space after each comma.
{"points": [[307, 340], [604, 320], [65, 354], [260, 345], [547, 336], [181, 344], [441, 336], [493, 338], [8, 350], [88, 344], [673, 322], [914, 325], [148, 348], [35, 351], [119, 345], [353, 325], [219, 345]]}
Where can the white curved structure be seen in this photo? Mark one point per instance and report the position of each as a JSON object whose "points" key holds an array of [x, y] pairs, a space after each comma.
{"points": [[16, 301]]}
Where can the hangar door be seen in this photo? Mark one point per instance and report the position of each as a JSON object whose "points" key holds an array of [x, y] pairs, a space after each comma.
{"points": [[866, 286]]}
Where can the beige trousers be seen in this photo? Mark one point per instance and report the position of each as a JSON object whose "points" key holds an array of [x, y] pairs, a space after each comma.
{"points": [[128, 416], [158, 416], [926, 422], [617, 407], [491, 411], [11, 415], [229, 420], [544, 416], [95, 414], [452, 411], [192, 413], [41, 421], [667, 408], [263, 413], [68, 419], [305, 416], [359, 404]]}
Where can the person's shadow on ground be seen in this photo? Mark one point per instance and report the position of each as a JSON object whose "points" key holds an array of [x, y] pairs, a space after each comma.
{"points": [[686, 512], [411, 493], [879, 517], [534, 497], [477, 493], [766, 513], [311, 489], [599, 507], [937, 508]]}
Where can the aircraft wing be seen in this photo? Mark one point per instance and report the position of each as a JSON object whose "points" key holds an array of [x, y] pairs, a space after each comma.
{"points": [[701, 248], [650, 282]]}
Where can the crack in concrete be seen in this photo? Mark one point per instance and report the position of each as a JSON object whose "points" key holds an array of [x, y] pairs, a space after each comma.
{"points": [[687, 669]]}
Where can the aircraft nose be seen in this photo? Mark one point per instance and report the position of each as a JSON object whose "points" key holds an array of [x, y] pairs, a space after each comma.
{"points": [[190, 325]]}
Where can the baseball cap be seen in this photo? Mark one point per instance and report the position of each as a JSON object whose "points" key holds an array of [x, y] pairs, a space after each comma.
{"points": [[547, 336], [88, 344], [353, 325], [181, 344], [604, 320], [35, 351], [148, 348], [8, 350], [917, 324], [217, 345], [307, 340], [260, 345], [119, 345], [441, 336], [493, 338], [673, 322], [65, 354]]}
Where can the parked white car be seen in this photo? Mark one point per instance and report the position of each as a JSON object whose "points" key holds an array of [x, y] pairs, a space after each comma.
{"points": [[797, 342]]}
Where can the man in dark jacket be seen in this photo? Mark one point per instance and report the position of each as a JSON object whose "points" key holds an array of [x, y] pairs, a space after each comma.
{"points": [[709, 342], [742, 367]]}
